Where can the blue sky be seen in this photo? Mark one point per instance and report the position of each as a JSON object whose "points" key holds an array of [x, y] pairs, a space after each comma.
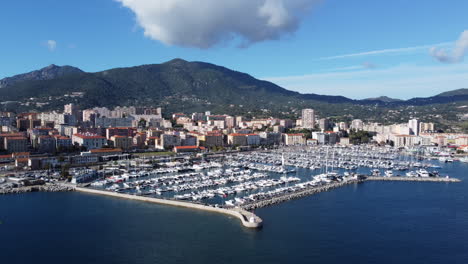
{"points": [[387, 44]]}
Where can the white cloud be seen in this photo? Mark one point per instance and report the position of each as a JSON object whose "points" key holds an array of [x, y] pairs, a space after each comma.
{"points": [[403, 81], [205, 23], [387, 51], [458, 52], [51, 44]]}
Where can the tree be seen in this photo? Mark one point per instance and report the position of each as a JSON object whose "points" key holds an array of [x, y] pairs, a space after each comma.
{"points": [[65, 171], [142, 123]]}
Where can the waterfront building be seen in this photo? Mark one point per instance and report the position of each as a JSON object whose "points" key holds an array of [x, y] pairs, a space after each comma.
{"points": [[294, 139], [84, 158], [16, 144], [185, 149], [345, 141], [169, 141], [211, 139], [270, 138], [188, 140], [253, 139], [105, 152], [237, 139], [89, 141]]}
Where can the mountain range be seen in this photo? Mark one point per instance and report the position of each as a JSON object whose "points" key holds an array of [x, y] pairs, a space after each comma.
{"points": [[179, 85]]}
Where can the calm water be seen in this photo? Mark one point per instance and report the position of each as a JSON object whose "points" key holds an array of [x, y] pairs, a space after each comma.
{"points": [[374, 222]]}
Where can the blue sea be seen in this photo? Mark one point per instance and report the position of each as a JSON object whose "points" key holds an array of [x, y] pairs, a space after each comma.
{"points": [[373, 222]]}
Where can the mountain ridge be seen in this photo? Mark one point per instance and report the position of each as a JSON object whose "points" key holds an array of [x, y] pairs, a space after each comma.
{"points": [[176, 79], [49, 72]]}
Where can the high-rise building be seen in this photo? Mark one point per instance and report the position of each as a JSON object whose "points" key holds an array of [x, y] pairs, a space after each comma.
{"points": [[308, 118], [413, 126]]}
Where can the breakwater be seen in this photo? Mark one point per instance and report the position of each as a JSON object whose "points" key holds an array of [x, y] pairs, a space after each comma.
{"points": [[37, 188], [248, 219], [296, 195], [412, 179]]}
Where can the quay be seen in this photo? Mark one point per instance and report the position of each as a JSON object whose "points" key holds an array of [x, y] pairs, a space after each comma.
{"points": [[248, 219]]}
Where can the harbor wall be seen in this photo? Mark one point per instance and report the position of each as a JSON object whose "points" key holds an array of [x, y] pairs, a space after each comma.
{"points": [[241, 214]]}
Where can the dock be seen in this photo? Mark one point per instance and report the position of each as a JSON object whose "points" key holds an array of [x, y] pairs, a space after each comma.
{"points": [[248, 219]]}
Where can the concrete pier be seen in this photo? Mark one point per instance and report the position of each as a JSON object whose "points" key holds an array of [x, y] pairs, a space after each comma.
{"points": [[248, 219]]}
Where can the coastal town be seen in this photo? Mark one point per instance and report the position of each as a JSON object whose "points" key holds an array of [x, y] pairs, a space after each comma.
{"points": [[218, 163], [75, 137]]}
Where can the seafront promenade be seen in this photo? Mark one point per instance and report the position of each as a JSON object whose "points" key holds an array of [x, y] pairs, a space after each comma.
{"points": [[248, 219]]}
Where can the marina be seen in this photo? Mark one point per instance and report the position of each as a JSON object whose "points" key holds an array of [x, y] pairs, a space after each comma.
{"points": [[235, 184], [251, 180]]}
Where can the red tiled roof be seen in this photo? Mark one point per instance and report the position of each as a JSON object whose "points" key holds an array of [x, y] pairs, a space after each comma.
{"points": [[186, 147], [105, 150]]}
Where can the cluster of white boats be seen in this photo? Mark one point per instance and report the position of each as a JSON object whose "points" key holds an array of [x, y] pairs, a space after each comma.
{"points": [[241, 178]]}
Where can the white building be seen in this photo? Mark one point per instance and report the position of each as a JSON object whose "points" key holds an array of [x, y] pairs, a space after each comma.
{"points": [[413, 126], [90, 141], [308, 118]]}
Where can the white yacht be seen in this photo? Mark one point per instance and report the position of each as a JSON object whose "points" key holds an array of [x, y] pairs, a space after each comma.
{"points": [[423, 173], [388, 173]]}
